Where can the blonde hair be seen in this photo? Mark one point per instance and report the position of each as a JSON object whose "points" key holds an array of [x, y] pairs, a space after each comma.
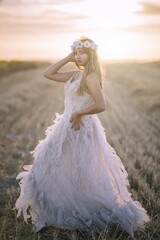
{"points": [[93, 65]]}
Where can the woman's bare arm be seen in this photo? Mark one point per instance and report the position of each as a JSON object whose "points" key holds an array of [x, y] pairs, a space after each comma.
{"points": [[52, 71], [94, 88], [99, 105]]}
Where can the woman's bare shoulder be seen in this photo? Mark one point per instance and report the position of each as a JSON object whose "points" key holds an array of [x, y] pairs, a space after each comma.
{"points": [[92, 77]]}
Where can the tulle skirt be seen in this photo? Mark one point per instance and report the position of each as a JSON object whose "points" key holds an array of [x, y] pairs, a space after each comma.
{"points": [[77, 181]]}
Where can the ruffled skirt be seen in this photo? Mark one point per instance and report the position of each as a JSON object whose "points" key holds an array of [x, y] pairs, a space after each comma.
{"points": [[77, 181]]}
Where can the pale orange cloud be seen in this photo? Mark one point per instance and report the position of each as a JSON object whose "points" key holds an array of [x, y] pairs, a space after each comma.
{"points": [[21, 21], [149, 18], [149, 28], [151, 7]]}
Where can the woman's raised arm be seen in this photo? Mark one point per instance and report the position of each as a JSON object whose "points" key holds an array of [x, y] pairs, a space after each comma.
{"points": [[52, 73]]}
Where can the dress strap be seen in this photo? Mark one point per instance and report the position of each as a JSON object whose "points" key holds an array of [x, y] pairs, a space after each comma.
{"points": [[74, 75]]}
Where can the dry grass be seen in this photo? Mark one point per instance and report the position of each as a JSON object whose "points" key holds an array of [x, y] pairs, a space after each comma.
{"points": [[28, 105], [7, 67]]}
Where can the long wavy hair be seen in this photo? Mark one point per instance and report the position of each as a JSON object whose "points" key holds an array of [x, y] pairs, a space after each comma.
{"points": [[93, 65]]}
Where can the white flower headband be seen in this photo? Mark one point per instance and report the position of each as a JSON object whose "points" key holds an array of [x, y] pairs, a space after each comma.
{"points": [[86, 44]]}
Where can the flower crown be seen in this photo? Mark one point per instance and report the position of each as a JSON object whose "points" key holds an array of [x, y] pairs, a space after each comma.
{"points": [[85, 44]]}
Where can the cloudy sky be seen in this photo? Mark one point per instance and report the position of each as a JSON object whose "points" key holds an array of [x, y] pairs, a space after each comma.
{"points": [[45, 29]]}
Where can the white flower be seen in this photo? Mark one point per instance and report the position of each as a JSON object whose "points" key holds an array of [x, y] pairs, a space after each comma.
{"points": [[79, 44], [73, 45], [87, 44], [94, 46]]}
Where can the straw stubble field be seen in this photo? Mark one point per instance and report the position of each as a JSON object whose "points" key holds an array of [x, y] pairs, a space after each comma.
{"points": [[28, 103]]}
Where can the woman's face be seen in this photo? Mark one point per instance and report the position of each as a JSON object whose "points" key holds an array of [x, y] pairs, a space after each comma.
{"points": [[81, 57]]}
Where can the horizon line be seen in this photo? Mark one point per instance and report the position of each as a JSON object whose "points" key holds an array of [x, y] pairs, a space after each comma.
{"points": [[102, 60]]}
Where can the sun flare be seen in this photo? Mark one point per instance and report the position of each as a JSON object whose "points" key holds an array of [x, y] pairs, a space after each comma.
{"points": [[106, 22]]}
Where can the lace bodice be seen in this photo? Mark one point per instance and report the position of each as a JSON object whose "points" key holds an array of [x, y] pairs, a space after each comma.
{"points": [[74, 102]]}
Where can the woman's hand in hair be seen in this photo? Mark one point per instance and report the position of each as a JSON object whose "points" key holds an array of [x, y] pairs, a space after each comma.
{"points": [[70, 57]]}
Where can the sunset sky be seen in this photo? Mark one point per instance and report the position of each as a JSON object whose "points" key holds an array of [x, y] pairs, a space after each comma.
{"points": [[45, 29]]}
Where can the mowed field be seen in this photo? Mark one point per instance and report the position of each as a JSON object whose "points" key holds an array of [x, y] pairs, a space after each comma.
{"points": [[28, 103]]}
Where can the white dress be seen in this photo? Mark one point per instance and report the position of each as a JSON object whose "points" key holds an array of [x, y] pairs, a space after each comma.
{"points": [[77, 181]]}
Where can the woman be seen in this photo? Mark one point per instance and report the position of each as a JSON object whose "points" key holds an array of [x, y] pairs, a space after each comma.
{"points": [[77, 181]]}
